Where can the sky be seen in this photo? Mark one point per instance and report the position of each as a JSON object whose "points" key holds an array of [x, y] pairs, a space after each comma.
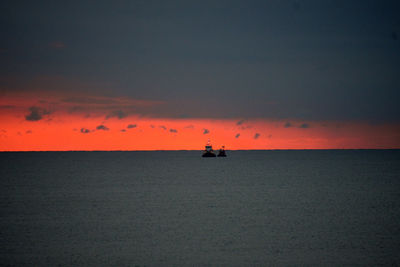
{"points": [[169, 75]]}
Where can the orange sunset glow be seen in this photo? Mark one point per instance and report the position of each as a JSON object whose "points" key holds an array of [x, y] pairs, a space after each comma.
{"points": [[84, 122], [200, 133]]}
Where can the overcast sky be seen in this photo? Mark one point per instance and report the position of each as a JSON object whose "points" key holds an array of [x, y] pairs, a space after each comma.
{"points": [[309, 60]]}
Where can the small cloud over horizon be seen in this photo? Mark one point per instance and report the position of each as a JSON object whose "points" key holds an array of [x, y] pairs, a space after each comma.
{"points": [[256, 136], [206, 131], [288, 125], [102, 127], [36, 113], [85, 131], [173, 130], [240, 122], [304, 126]]}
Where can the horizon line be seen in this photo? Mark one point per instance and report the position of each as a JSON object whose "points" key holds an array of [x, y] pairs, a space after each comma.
{"points": [[176, 150]]}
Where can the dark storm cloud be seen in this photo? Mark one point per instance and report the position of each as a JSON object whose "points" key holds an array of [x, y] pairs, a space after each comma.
{"points": [[173, 130], [116, 114], [130, 126], [287, 125], [299, 60], [237, 135], [304, 125], [206, 131], [102, 127], [85, 131], [256, 136], [36, 113]]}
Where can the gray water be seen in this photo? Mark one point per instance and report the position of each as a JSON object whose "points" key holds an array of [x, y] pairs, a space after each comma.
{"points": [[253, 208]]}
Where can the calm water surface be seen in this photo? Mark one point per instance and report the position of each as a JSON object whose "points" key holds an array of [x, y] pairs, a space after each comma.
{"points": [[253, 208]]}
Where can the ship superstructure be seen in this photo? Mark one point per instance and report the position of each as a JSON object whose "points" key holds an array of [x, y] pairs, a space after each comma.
{"points": [[208, 151]]}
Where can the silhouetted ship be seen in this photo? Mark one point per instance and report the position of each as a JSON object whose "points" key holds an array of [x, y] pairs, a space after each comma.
{"points": [[208, 152], [221, 152]]}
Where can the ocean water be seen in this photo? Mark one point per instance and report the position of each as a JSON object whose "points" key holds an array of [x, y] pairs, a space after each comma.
{"points": [[253, 208]]}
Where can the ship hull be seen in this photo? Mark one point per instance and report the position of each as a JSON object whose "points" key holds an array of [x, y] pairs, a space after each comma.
{"points": [[208, 155], [221, 153]]}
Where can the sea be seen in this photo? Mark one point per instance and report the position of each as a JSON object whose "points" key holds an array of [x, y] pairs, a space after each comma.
{"points": [[175, 208]]}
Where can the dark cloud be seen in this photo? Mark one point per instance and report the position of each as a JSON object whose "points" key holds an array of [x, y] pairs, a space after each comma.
{"points": [[123, 130], [85, 131], [256, 135], [300, 60], [28, 132], [173, 130], [237, 135], [206, 131], [163, 127], [36, 113], [130, 126], [304, 126], [116, 114], [240, 122], [102, 127], [287, 125]]}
